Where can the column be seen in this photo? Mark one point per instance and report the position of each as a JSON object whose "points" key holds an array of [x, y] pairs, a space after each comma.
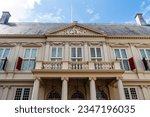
{"points": [[66, 52], [36, 87], [92, 88], [64, 95], [5, 93], [105, 52], [47, 47], [145, 92], [86, 51], [120, 90]]}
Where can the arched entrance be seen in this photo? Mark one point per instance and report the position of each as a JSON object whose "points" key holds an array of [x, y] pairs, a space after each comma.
{"points": [[53, 95], [77, 96], [101, 95]]}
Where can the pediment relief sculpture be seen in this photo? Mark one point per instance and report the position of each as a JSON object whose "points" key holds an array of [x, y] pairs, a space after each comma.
{"points": [[76, 30]]}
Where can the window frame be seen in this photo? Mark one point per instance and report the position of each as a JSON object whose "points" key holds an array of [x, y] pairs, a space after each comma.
{"points": [[22, 93], [96, 58], [145, 53], [76, 58], [121, 58], [28, 59], [1, 58], [56, 58], [130, 95]]}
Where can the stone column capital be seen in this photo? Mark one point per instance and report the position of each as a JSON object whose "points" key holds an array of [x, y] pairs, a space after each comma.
{"points": [[119, 78], [65, 78], [6, 86], [143, 86], [92, 78]]}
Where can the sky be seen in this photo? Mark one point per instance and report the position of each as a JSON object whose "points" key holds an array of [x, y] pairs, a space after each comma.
{"points": [[83, 11]]}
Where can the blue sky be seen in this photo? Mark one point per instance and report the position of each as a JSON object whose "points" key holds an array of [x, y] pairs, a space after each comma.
{"points": [[87, 11]]}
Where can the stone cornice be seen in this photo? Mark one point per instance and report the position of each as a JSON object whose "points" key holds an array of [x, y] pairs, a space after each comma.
{"points": [[21, 36], [128, 37]]}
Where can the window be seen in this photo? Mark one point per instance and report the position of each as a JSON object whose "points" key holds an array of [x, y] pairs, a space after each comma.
{"points": [[77, 96], [76, 54], [96, 54], [145, 55], [56, 54], [101, 95], [120, 54], [22, 93], [4, 52], [53, 95], [29, 59], [130, 93]]}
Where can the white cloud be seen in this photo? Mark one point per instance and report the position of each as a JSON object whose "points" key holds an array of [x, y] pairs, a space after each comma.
{"points": [[19, 9], [90, 11], [95, 17], [49, 17], [145, 9]]}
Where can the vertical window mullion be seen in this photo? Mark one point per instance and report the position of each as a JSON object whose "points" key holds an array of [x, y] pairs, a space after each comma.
{"points": [[22, 94], [95, 53], [57, 52], [146, 54]]}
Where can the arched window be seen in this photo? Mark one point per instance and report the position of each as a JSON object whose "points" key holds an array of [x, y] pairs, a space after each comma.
{"points": [[77, 96], [53, 95], [101, 95]]}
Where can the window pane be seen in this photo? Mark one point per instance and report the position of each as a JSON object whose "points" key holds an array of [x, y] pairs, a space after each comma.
{"points": [[18, 94], [6, 53], [125, 63], [27, 53], [126, 93], [1, 52], [142, 53], [25, 65], [53, 52], [117, 54], [26, 94], [1, 63], [92, 52], [79, 52], [123, 52], [148, 53], [31, 64], [98, 52], [133, 93], [73, 52], [33, 54], [59, 52]]}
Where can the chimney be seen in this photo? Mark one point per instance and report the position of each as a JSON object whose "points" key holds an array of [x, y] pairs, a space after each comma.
{"points": [[5, 17], [140, 20]]}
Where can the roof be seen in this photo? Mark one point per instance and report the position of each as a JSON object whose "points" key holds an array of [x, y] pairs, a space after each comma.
{"points": [[42, 28]]}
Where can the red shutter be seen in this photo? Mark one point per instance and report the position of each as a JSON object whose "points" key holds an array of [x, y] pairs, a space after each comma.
{"points": [[19, 63], [131, 62]]}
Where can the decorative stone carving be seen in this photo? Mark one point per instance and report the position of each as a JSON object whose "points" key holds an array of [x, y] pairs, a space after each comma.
{"points": [[57, 43], [76, 43], [7, 44], [75, 31], [95, 43], [35, 44]]}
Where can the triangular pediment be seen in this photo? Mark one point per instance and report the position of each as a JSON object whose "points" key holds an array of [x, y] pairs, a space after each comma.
{"points": [[76, 30]]}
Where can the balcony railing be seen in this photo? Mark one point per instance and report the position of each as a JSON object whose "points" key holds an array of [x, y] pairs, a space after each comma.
{"points": [[79, 65], [52, 65]]}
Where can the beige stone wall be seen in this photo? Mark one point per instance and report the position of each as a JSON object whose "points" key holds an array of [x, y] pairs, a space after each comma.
{"points": [[107, 45]]}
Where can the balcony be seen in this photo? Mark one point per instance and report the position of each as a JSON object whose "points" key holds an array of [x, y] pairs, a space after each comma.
{"points": [[80, 65]]}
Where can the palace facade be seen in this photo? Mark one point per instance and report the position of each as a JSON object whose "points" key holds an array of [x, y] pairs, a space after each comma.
{"points": [[74, 61]]}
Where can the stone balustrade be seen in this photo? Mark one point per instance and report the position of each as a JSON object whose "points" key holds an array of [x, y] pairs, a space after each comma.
{"points": [[78, 65]]}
